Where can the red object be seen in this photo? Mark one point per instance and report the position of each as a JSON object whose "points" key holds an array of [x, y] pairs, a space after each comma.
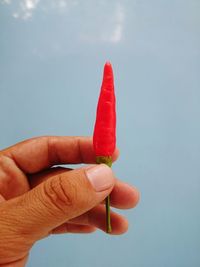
{"points": [[104, 137]]}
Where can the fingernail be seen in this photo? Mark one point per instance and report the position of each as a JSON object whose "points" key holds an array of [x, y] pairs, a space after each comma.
{"points": [[101, 177]]}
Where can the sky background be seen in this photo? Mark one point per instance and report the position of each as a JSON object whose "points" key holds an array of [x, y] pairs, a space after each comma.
{"points": [[51, 60]]}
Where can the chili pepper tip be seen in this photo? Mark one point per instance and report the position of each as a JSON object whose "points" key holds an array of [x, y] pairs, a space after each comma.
{"points": [[108, 75], [108, 63], [108, 67]]}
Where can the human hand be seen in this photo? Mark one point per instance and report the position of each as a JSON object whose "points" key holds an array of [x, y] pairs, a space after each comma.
{"points": [[37, 199]]}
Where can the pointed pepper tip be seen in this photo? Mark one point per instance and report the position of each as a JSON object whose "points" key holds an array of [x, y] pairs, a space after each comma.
{"points": [[108, 63], [108, 69]]}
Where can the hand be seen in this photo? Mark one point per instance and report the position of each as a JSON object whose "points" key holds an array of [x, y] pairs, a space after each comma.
{"points": [[37, 199]]}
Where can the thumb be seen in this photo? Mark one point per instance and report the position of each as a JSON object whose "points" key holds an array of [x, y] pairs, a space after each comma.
{"points": [[60, 198]]}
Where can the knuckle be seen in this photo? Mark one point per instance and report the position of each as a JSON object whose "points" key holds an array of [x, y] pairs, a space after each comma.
{"points": [[53, 157], [60, 193], [5, 173]]}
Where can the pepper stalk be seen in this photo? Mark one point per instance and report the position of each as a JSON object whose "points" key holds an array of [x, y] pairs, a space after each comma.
{"points": [[108, 162]]}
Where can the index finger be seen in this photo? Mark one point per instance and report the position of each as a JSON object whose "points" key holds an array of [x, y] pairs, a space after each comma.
{"points": [[39, 153]]}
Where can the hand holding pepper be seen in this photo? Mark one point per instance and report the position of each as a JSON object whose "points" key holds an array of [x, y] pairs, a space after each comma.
{"points": [[37, 200]]}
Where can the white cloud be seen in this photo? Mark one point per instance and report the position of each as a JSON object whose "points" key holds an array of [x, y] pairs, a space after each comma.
{"points": [[107, 18], [26, 9], [109, 29], [6, 2], [15, 15], [62, 4], [116, 35], [30, 4]]}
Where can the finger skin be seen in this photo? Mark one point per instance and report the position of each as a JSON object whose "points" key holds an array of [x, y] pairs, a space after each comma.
{"points": [[30, 217], [18, 263], [56, 200], [97, 217], [14, 246], [2, 199], [51, 150], [13, 182], [123, 195], [38, 178], [73, 228]]}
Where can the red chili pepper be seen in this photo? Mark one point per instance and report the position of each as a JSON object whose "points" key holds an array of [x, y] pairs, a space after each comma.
{"points": [[104, 137]]}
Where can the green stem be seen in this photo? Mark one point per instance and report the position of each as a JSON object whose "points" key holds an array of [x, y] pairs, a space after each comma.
{"points": [[108, 162], [108, 220]]}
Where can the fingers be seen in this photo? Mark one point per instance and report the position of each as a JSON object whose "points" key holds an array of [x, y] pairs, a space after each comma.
{"points": [[18, 263], [97, 218], [38, 178], [73, 228], [57, 200], [123, 196], [40, 153], [93, 219], [13, 182]]}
